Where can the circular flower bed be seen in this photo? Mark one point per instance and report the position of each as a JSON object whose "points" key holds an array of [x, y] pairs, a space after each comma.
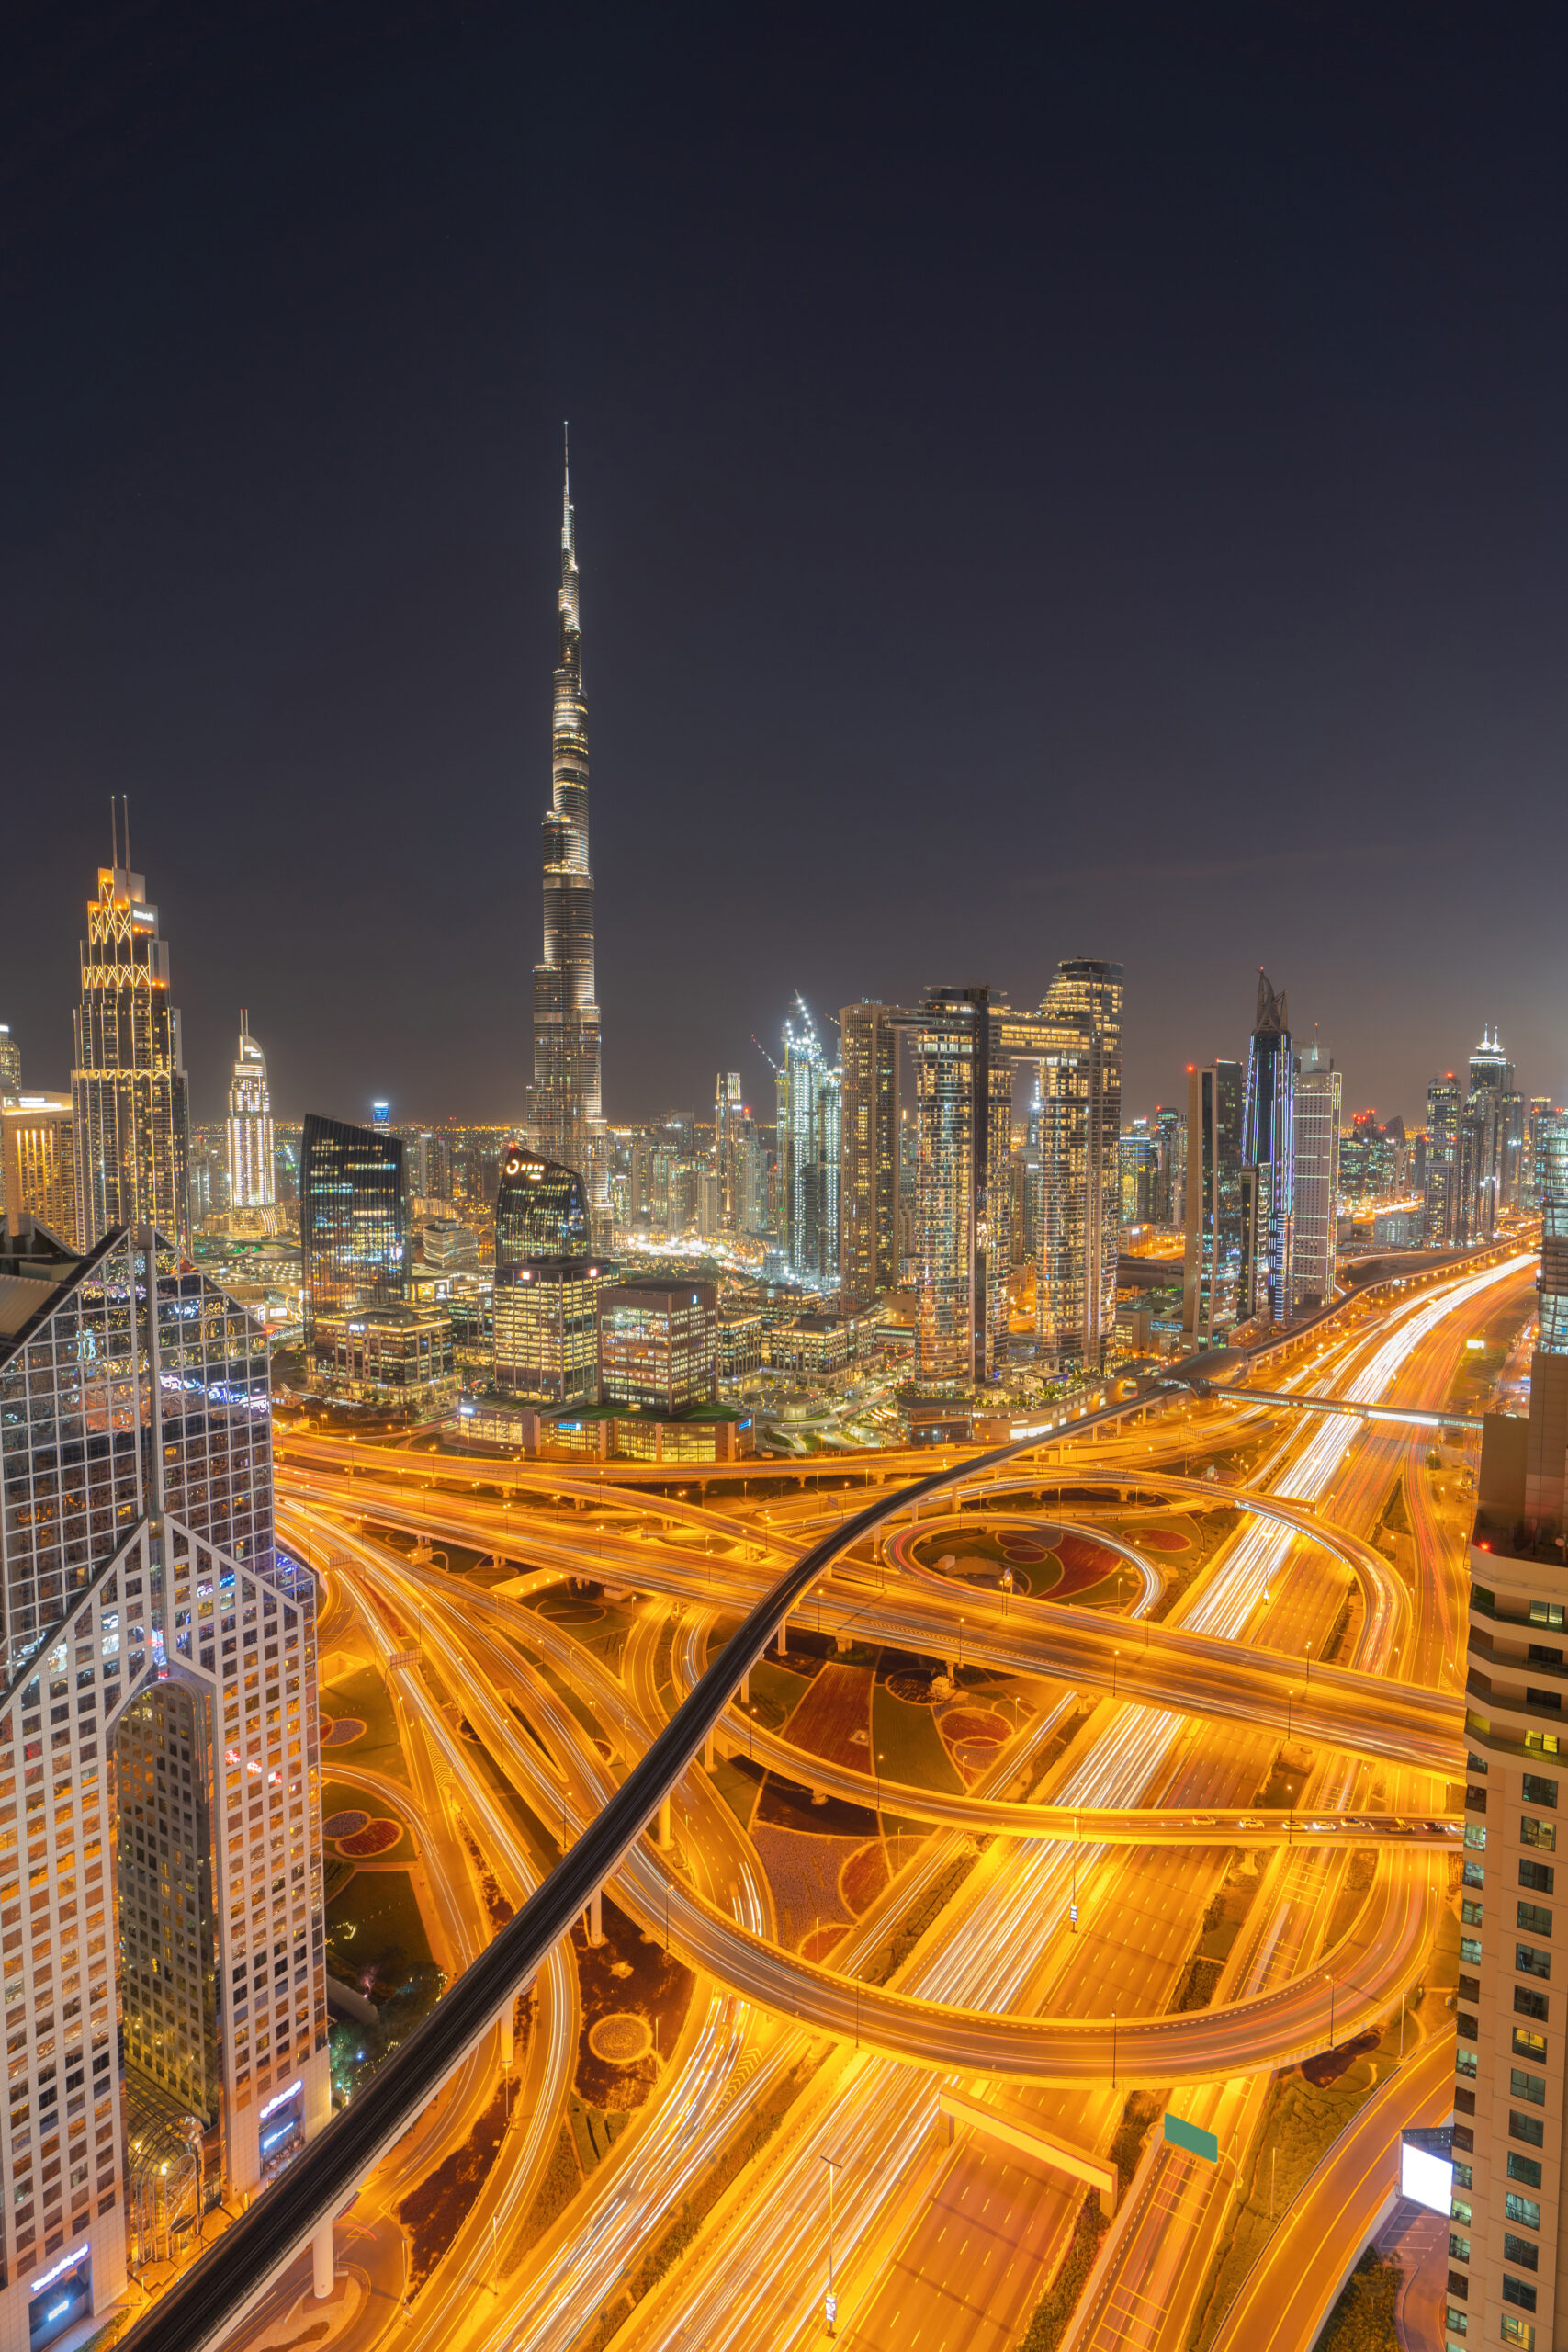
{"points": [[343, 1825], [379, 1837], [342, 1729], [621, 2039]]}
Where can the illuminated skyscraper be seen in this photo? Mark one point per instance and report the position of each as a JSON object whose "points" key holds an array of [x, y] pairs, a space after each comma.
{"points": [[546, 1284], [564, 1101], [160, 1704], [1211, 1272], [1445, 1102], [809, 1145], [1267, 1159], [351, 1220], [963, 1187], [731, 1125], [10, 1066], [128, 1088], [1315, 1244], [1080, 1126], [250, 1126], [870, 1180]]}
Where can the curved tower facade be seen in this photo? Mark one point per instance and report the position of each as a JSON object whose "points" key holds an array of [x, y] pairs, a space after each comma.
{"points": [[564, 1099], [250, 1126]]}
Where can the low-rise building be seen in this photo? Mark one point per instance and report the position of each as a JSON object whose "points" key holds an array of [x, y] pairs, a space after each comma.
{"points": [[397, 1357], [606, 1432], [740, 1342]]}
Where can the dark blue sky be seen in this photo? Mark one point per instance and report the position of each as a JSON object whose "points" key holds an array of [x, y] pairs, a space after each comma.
{"points": [[1087, 480]]}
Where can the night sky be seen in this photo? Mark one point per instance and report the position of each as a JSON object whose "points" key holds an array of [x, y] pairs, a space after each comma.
{"points": [[1081, 481]]}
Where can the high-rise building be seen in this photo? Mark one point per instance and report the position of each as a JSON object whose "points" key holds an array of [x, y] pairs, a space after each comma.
{"points": [[871, 1167], [1212, 1269], [1170, 1182], [1080, 1121], [658, 1345], [1318, 1090], [177, 1645], [730, 1117], [962, 1196], [1445, 1104], [250, 1184], [564, 1103], [810, 1132], [128, 1089], [1548, 1153], [1268, 1160], [351, 1220], [10, 1065], [1511, 2079], [38, 1162], [1139, 1162], [547, 1282]]}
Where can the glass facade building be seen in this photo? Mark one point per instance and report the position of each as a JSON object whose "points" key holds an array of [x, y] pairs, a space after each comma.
{"points": [[964, 1191], [1267, 1159], [130, 1104], [37, 1162], [1212, 1269], [351, 1220], [1080, 1180], [152, 1632], [546, 1287]]}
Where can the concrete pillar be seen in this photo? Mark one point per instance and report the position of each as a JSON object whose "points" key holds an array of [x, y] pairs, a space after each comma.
{"points": [[784, 1635], [707, 1753], [662, 1834], [746, 1688], [596, 1917], [507, 2022], [322, 2261]]}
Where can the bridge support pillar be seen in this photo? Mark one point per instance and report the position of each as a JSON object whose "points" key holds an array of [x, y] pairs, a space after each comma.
{"points": [[746, 1688], [596, 1917], [784, 1636], [661, 1830], [508, 2045], [707, 1753], [322, 2277]]}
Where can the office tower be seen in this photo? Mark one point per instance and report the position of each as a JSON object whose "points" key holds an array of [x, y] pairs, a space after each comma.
{"points": [[1211, 1282], [1139, 1164], [729, 1121], [871, 1167], [1079, 1024], [1445, 1102], [38, 1162], [658, 1345], [547, 1282], [1548, 1153], [564, 1099], [1171, 1182], [351, 1220], [1491, 1154], [10, 1065], [250, 1126], [1267, 1157], [810, 1132], [963, 1190], [1317, 1180], [128, 1089], [141, 1584], [382, 1118], [1511, 2078]]}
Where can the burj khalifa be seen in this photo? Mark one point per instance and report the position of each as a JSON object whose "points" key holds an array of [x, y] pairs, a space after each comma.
{"points": [[564, 1099]]}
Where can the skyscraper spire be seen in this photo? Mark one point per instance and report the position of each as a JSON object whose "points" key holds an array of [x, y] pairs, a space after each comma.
{"points": [[564, 1097]]}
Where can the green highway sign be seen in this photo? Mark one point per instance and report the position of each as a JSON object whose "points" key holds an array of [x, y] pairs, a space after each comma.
{"points": [[1197, 2142]]}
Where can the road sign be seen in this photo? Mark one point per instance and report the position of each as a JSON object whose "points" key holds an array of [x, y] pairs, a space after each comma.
{"points": [[1190, 2136]]}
